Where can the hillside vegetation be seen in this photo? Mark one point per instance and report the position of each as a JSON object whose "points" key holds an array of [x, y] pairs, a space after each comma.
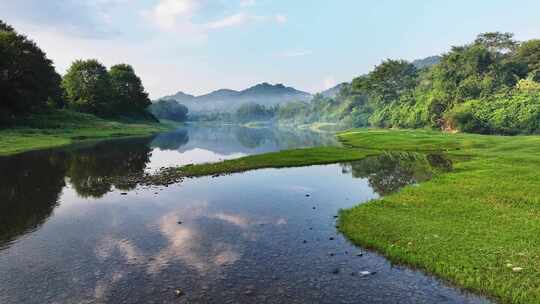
{"points": [[490, 86]]}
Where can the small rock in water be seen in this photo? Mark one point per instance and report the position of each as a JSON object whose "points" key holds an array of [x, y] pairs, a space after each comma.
{"points": [[178, 292], [335, 216], [331, 254], [307, 195], [335, 271], [331, 238], [249, 291], [359, 254], [314, 207], [304, 241], [180, 222]]}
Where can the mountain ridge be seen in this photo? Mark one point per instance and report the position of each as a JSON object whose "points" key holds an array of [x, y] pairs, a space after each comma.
{"points": [[227, 100]]}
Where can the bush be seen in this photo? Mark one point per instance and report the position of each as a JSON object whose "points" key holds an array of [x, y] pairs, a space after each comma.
{"points": [[516, 113]]}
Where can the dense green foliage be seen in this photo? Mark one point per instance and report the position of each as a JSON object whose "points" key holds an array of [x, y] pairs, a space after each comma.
{"points": [[88, 87], [129, 96], [91, 88], [28, 80], [169, 109], [488, 86], [30, 84]]}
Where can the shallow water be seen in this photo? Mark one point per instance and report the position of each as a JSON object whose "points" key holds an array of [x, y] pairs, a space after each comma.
{"points": [[266, 236]]}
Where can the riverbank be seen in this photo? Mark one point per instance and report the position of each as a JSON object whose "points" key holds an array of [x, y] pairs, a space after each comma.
{"points": [[477, 227], [63, 127]]}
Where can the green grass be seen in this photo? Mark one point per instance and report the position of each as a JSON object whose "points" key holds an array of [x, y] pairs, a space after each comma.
{"points": [[469, 227], [64, 127], [287, 158]]}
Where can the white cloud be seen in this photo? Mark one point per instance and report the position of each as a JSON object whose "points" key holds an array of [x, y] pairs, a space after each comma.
{"points": [[178, 15], [161, 39], [84, 18], [168, 14], [233, 20]]}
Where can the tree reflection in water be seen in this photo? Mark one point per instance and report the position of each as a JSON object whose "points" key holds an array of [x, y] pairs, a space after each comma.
{"points": [[90, 170], [31, 183], [389, 172]]}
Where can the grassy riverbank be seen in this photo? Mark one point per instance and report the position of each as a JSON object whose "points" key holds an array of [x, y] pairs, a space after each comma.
{"points": [[477, 227], [63, 127]]}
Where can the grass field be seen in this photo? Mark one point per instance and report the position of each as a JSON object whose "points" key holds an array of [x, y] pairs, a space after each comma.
{"points": [[64, 127], [477, 226]]}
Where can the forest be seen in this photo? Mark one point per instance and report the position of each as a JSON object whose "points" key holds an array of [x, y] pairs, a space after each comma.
{"points": [[490, 86], [29, 84]]}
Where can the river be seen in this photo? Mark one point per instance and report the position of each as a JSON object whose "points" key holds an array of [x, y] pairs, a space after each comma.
{"points": [[68, 235]]}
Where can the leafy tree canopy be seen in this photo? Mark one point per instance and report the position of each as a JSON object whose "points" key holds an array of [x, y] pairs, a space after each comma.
{"points": [[88, 87], [128, 92], [389, 80], [497, 42], [529, 54], [28, 80]]}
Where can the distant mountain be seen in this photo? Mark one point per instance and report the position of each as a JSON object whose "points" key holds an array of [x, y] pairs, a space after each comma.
{"points": [[426, 62], [225, 100], [332, 92], [180, 97]]}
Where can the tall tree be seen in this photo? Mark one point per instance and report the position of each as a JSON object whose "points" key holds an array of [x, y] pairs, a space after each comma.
{"points": [[497, 42], [88, 87], [529, 54], [28, 79], [128, 92], [390, 80]]}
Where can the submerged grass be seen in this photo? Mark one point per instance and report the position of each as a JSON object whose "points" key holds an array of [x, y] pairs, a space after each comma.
{"points": [[64, 127], [477, 227]]}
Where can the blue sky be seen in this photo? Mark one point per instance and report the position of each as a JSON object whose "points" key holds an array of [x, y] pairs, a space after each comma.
{"points": [[200, 45]]}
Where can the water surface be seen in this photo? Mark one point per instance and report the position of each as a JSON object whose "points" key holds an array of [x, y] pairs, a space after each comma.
{"points": [[266, 236]]}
